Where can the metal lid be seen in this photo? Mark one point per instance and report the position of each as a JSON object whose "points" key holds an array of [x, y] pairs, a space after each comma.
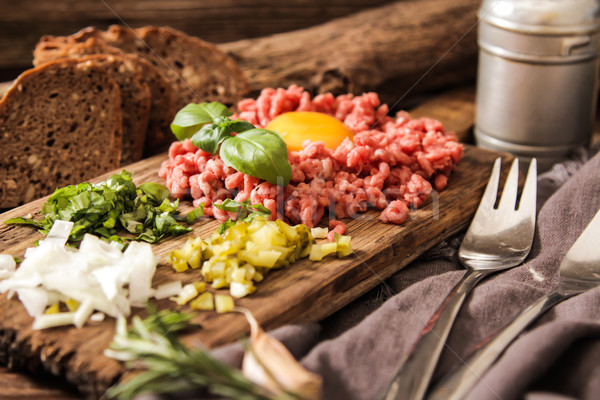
{"points": [[543, 16]]}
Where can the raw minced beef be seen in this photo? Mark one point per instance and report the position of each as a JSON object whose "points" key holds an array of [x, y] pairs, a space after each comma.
{"points": [[391, 164]]}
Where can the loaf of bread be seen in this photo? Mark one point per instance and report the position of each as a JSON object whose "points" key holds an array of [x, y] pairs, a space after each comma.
{"points": [[198, 70], [60, 124], [162, 102]]}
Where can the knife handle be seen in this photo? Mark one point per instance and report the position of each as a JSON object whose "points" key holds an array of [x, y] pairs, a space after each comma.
{"points": [[457, 384], [412, 378]]}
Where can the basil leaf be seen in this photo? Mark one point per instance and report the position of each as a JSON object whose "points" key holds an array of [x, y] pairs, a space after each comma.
{"points": [[259, 153], [241, 126], [210, 137], [216, 110], [149, 236], [260, 210], [231, 205], [158, 192], [225, 225], [194, 214], [25, 221], [191, 117], [246, 212]]}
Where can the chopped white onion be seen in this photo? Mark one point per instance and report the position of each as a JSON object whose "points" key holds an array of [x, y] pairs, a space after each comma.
{"points": [[167, 290], [99, 276], [52, 320], [142, 263], [83, 312], [35, 300], [7, 266], [97, 317], [59, 233]]}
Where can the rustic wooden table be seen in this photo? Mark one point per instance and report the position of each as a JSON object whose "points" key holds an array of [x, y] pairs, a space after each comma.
{"points": [[454, 108]]}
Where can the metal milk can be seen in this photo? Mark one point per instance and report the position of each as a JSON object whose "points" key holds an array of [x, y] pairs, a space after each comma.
{"points": [[537, 83]]}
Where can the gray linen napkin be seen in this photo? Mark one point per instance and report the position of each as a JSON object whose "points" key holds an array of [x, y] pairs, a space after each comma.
{"points": [[357, 350]]}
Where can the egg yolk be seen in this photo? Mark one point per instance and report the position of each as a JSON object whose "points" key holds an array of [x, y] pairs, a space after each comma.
{"points": [[297, 126]]}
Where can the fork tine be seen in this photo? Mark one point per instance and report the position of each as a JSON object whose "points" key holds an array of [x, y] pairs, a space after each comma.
{"points": [[491, 190], [529, 195], [508, 200]]}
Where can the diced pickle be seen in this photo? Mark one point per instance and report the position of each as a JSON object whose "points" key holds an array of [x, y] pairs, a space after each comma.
{"points": [[53, 309], [241, 289], [223, 303], [72, 304], [187, 293], [319, 233], [318, 251], [204, 302], [343, 245], [200, 286], [180, 265], [246, 251]]}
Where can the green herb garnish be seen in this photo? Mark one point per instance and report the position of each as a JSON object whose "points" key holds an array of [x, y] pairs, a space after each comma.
{"points": [[260, 153], [245, 212], [101, 209], [170, 366]]}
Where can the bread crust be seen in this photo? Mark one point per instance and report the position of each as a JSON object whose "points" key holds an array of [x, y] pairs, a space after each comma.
{"points": [[60, 124], [198, 70]]}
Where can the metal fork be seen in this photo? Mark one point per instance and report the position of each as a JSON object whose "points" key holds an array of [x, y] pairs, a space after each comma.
{"points": [[497, 239], [578, 272]]}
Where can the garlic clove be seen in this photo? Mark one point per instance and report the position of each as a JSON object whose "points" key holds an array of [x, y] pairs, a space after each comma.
{"points": [[268, 363]]}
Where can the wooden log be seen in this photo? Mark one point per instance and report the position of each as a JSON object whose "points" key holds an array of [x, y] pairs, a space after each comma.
{"points": [[395, 50], [24, 22]]}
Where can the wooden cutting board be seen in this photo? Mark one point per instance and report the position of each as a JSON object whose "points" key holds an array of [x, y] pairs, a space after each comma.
{"points": [[305, 291]]}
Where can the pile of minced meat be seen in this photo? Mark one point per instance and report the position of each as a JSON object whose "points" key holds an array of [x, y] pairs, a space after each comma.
{"points": [[391, 164]]}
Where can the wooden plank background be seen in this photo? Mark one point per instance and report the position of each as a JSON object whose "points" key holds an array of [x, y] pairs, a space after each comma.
{"points": [[23, 22]]}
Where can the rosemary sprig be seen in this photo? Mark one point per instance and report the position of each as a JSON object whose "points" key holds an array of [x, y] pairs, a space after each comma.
{"points": [[170, 366]]}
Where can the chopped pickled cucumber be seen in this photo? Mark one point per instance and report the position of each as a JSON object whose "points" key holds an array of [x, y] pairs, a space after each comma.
{"points": [[247, 250], [239, 289], [343, 245], [223, 303], [204, 302], [187, 293], [319, 233], [318, 251], [72, 304], [53, 309], [200, 286]]}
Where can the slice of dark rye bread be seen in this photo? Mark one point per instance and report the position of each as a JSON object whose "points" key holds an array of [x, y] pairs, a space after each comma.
{"points": [[60, 124], [198, 70], [135, 102], [162, 102]]}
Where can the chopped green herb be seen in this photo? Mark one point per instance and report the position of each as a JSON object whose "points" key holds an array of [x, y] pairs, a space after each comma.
{"points": [[245, 212], [104, 208], [193, 215]]}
